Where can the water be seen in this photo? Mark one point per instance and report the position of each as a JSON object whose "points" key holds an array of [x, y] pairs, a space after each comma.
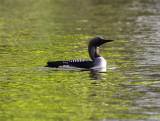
{"points": [[34, 32]]}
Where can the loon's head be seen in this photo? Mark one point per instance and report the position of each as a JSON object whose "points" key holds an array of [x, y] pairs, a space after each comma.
{"points": [[93, 46]]}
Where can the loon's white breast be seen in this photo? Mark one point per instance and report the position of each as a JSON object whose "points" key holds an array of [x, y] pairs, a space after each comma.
{"points": [[99, 62]]}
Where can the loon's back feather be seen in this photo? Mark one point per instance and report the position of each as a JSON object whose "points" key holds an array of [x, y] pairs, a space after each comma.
{"points": [[74, 63], [55, 64]]}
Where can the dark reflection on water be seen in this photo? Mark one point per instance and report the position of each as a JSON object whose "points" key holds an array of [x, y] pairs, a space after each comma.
{"points": [[95, 74]]}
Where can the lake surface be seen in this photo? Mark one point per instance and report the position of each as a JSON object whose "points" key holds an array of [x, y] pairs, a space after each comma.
{"points": [[33, 32]]}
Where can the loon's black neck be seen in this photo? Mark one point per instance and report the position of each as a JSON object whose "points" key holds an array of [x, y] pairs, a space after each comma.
{"points": [[94, 52]]}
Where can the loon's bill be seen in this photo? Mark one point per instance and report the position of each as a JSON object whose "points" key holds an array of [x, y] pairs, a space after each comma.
{"points": [[93, 49]]}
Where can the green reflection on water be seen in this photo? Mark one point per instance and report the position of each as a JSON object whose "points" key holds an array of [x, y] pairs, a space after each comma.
{"points": [[61, 96]]}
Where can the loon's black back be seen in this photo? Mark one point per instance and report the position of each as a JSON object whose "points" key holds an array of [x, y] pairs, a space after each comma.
{"points": [[73, 63]]}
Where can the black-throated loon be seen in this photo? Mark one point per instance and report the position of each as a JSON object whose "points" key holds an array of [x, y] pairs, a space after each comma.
{"points": [[98, 62]]}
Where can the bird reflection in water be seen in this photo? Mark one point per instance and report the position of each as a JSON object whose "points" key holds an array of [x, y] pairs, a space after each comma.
{"points": [[97, 74]]}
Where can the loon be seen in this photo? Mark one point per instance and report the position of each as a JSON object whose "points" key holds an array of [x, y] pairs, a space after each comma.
{"points": [[97, 62]]}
